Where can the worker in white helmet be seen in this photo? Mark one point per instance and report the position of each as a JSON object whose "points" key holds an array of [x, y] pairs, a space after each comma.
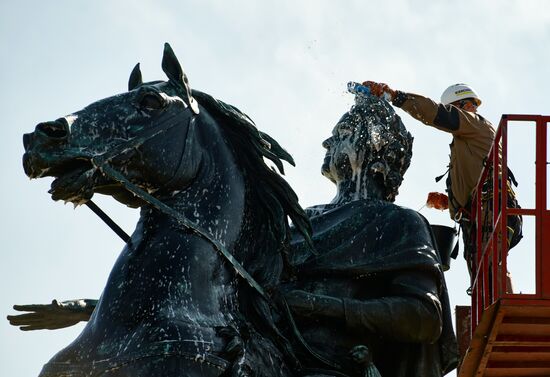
{"points": [[457, 114], [473, 137]]}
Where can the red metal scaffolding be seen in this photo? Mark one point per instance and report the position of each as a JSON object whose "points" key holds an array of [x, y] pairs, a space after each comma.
{"points": [[490, 262], [510, 332]]}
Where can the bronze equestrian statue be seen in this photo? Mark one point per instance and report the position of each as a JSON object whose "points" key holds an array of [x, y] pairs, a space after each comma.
{"points": [[214, 281]]}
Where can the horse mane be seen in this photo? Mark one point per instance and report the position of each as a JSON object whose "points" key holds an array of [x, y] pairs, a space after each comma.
{"points": [[270, 199]]}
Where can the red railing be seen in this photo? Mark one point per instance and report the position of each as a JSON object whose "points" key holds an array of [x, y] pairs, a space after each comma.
{"points": [[489, 263]]}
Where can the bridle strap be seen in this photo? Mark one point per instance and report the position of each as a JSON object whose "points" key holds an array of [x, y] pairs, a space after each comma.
{"points": [[116, 151], [137, 141]]}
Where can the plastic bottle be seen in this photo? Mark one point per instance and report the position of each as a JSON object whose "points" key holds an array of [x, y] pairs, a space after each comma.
{"points": [[356, 88]]}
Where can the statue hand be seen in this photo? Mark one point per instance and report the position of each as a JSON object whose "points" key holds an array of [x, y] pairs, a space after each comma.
{"points": [[363, 359], [361, 355], [312, 305], [378, 88], [52, 316]]}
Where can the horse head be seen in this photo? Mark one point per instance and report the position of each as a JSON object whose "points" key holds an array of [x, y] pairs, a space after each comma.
{"points": [[147, 132]]}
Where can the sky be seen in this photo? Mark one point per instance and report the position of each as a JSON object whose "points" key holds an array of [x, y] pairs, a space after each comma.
{"points": [[286, 64]]}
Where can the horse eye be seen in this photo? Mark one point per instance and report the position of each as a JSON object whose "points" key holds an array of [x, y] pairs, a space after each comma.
{"points": [[151, 101]]}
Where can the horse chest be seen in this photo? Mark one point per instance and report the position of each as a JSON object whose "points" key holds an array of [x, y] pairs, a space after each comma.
{"points": [[170, 278]]}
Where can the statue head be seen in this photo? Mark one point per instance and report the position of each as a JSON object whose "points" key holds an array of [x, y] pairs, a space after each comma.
{"points": [[369, 151]]}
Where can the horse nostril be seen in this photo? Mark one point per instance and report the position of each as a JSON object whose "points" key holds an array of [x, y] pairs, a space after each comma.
{"points": [[58, 129]]}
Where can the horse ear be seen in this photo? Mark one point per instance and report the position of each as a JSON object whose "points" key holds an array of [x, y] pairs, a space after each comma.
{"points": [[135, 78], [172, 68]]}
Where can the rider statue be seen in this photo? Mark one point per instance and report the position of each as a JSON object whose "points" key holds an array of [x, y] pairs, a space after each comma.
{"points": [[373, 287], [376, 280]]}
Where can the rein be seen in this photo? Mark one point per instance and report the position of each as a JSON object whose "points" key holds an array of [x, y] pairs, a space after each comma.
{"points": [[103, 216]]}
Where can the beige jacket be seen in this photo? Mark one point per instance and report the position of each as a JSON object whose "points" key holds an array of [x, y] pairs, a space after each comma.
{"points": [[473, 137]]}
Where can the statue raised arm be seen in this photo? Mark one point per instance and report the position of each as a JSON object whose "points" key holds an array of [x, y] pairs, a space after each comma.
{"points": [[57, 315]]}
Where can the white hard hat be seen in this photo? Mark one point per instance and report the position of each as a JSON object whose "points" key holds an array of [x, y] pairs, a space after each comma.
{"points": [[458, 92]]}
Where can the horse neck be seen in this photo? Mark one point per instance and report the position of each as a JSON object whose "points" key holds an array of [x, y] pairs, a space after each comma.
{"points": [[215, 200]]}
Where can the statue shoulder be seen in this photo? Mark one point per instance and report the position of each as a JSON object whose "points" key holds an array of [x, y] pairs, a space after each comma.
{"points": [[408, 217], [411, 226]]}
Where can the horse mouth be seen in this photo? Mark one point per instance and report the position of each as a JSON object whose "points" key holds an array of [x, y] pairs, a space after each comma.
{"points": [[74, 178], [75, 186]]}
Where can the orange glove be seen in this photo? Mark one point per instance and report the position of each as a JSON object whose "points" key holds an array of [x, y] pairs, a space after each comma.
{"points": [[437, 200], [378, 89]]}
